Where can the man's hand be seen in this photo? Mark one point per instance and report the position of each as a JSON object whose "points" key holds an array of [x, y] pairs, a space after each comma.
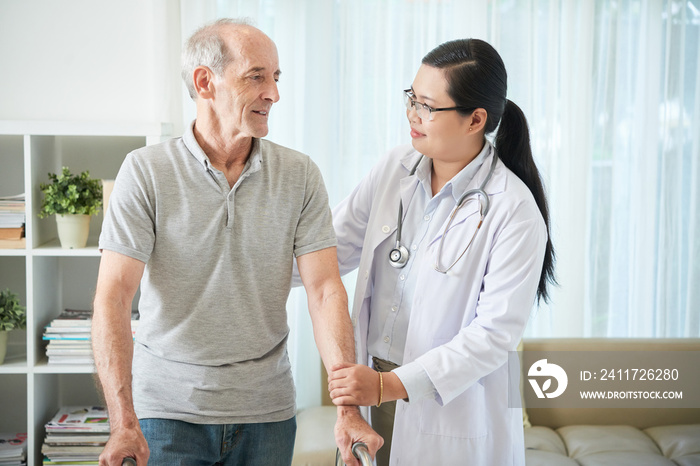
{"points": [[350, 428], [125, 443]]}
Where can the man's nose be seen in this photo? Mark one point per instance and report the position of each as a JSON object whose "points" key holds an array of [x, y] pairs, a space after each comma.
{"points": [[271, 92]]}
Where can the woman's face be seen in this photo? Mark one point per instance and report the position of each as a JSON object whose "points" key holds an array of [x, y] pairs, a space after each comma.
{"points": [[443, 138]]}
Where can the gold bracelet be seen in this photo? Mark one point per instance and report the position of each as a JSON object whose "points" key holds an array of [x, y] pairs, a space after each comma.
{"points": [[381, 389]]}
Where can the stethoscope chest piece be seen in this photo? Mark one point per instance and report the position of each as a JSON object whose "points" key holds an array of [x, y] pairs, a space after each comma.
{"points": [[398, 257]]}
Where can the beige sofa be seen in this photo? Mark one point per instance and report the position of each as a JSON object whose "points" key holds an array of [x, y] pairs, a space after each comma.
{"points": [[564, 437]]}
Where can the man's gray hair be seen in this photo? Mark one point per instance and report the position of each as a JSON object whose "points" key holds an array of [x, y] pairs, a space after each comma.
{"points": [[206, 48]]}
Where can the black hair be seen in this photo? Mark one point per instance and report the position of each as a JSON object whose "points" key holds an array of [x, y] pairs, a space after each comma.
{"points": [[477, 78]]}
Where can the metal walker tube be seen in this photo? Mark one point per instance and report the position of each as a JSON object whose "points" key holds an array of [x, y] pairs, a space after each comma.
{"points": [[360, 451]]}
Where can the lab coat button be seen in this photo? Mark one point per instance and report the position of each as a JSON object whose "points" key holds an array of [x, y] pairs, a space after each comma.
{"points": [[414, 247], [426, 218], [386, 229], [402, 277], [386, 339], [394, 309]]}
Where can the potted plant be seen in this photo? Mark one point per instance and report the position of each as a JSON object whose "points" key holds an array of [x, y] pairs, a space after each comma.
{"points": [[73, 198], [12, 316]]}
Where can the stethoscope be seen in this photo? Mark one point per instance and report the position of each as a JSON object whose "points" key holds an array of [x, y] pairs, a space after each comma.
{"points": [[398, 257]]}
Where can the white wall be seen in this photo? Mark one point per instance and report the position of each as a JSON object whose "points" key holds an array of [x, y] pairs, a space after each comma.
{"points": [[77, 60]]}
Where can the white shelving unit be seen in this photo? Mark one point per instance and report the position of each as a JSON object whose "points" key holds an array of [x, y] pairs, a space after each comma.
{"points": [[46, 278]]}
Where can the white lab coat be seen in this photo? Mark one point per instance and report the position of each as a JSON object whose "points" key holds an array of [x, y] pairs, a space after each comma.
{"points": [[462, 323]]}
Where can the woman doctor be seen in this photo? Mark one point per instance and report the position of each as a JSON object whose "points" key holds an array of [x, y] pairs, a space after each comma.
{"points": [[450, 235]]}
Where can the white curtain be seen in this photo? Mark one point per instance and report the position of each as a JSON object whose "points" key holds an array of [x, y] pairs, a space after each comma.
{"points": [[611, 89], [643, 248]]}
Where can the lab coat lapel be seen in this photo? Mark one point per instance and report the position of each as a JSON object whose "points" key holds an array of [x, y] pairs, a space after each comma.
{"points": [[407, 188], [408, 184], [385, 229]]}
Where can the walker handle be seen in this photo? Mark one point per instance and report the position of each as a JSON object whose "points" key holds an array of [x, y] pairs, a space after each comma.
{"points": [[359, 449]]}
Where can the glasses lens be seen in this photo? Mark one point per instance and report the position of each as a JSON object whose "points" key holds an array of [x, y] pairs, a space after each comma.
{"points": [[423, 112]]}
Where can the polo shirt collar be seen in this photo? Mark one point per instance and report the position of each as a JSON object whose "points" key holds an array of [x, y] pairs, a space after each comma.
{"points": [[254, 161]]}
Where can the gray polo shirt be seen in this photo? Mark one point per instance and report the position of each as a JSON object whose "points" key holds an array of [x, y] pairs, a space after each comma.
{"points": [[211, 344]]}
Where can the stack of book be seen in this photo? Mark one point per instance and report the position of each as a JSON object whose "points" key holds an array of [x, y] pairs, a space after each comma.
{"points": [[76, 435], [12, 219], [13, 449], [69, 337]]}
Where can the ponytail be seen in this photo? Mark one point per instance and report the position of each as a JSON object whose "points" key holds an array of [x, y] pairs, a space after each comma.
{"points": [[513, 145]]}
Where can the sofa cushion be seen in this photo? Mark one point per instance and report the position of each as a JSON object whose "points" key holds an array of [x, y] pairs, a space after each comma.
{"points": [[611, 445], [624, 458], [681, 443], [544, 447], [544, 439], [690, 460], [582, 441]]}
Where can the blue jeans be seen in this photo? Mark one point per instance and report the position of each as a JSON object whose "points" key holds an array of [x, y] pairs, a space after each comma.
{"points": [[174, 443]]}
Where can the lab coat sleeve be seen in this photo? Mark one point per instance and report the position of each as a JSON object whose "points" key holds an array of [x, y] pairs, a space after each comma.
{"points": [[508, 292], [350, 219], [416, 382]]}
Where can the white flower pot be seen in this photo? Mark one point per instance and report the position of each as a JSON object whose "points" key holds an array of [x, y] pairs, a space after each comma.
{"points": [[3, 345], [73, 230]]}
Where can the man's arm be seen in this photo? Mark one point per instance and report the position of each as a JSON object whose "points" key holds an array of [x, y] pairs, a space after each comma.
{"points": [[113, 349], [328, 306]]}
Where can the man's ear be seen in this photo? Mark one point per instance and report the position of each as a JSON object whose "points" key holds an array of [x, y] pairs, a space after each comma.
{"points": [[478, 120], [203, 82]]}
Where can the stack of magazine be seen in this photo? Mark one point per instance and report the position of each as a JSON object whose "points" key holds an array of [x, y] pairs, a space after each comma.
{"points": [[76, 435], [69, 337], [13, 449], [12, 219]]}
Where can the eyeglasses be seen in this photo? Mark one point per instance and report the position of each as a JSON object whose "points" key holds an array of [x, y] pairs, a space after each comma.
{"points": [[424, 111]]}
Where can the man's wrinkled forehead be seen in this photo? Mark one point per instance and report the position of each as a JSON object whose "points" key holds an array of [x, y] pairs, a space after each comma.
{"points": [[251, 49]]}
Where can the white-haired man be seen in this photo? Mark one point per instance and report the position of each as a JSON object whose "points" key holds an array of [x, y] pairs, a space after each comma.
{"points": [[209, 224]]}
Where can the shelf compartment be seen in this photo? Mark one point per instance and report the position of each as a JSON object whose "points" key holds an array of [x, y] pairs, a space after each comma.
{"points": [[13, 403], [12, 163], [60, 282], [13, 276]]}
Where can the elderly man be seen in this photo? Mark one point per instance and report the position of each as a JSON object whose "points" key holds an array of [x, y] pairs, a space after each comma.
{"points": [[209, 225]]}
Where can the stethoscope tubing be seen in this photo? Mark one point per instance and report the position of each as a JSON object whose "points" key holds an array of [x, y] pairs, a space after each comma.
{"points": [[398, 257]]}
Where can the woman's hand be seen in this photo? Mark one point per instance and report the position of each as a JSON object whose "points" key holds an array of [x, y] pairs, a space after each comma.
{"points": [[353, 385]]}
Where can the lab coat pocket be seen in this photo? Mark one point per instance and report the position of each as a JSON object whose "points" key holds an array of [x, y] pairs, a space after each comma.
{"points": [[463, 417]]}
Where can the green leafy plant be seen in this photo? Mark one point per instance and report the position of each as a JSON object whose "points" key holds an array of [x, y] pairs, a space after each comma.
{"points": [[71, 194], [12, 315]]}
